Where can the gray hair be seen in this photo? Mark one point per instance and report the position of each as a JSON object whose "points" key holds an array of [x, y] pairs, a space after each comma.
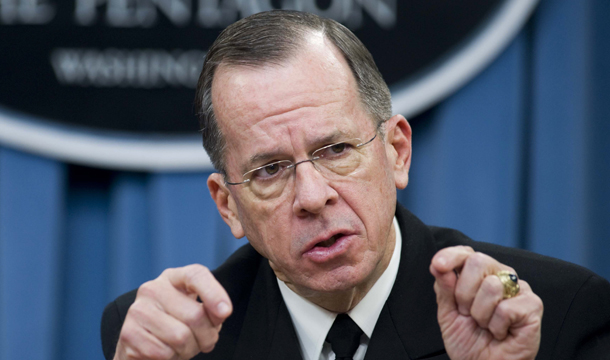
{"points": [[271, 38]]}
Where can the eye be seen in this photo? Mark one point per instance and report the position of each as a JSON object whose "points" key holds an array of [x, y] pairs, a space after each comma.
{"points": [[337, 150], [270, 171]]}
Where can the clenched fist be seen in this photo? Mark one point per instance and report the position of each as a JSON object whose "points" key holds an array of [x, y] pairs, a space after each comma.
{"points": [[475, 320], [167, 321]]}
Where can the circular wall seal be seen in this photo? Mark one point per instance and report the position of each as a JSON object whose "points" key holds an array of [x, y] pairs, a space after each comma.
{"points": [[111, 83]]}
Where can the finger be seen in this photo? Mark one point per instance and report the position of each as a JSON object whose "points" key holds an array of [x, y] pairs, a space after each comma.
{"points": [[522, 311], [487, 298], [443, 267], [171, 331], [451, 258], [188, 311], [199, 280], [476, 268], [192, 313], [135, 342], [444, 286]]}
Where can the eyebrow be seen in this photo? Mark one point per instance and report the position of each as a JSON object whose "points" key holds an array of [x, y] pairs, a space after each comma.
{"points": [[261, 158]]}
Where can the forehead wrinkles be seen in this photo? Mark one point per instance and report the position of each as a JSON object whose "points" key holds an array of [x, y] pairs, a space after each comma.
{"points": [[286, 136], [254, 97], [316, 68], [254, 103]]}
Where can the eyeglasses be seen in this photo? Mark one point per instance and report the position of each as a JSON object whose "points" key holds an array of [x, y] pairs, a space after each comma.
{"points": [[334, 160]]}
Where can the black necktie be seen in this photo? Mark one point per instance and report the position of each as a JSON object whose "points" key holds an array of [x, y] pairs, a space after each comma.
{"points": [[344, 337]]}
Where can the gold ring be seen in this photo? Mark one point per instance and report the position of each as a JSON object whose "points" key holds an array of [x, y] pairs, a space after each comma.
{"points": [[510, 282]]}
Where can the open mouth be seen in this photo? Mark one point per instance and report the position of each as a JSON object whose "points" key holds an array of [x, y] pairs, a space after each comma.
{"points": [[330, 242], [331, 248]]}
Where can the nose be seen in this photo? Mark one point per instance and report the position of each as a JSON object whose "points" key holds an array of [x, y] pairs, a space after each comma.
{"points": [[312, 190]]}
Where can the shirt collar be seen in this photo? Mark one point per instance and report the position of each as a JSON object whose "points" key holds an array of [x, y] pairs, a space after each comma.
{"points": [[313, 322]]}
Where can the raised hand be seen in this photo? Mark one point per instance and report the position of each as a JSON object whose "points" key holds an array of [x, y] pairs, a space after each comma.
{"points": [[475, 320], [167, 322]]}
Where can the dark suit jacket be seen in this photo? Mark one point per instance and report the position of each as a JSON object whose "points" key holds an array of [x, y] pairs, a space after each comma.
{"points": [[576, 322]]}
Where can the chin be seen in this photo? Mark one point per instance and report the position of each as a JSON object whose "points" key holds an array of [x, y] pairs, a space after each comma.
{"points": [[337, 280]]}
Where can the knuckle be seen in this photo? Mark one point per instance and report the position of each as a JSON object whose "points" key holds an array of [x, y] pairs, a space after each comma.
{"points": [[525, 286], [209, 345], [481, 319], [135, 310], [476, 312], [127, 335], [215, 336], [196, 270], [460, 294], [139, 310], [208, 340], [491, 286], [180, 338], [465, 248], [196, 273], [472, 262], [498, 330], [167, 272], [208, 348], [503, 310], [477, 259], [148, 289], [194, 317], [133, 348], [158, 353], [132, 354]]}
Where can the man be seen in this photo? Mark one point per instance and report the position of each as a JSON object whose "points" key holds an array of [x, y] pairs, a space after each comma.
{"points": [[297, 120]]}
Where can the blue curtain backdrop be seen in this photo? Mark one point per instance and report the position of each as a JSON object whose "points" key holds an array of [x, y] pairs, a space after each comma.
{"points": [[520, 156]]}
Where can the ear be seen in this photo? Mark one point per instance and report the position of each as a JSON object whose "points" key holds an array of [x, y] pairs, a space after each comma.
{"points": [[398, 147], [225, 203]]}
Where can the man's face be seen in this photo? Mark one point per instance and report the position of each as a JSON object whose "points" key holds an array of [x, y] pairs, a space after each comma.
{"points": [[320, 235]]}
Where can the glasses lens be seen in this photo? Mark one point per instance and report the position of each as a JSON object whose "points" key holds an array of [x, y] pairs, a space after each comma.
{"points": [[339, 159], [268, 181]]}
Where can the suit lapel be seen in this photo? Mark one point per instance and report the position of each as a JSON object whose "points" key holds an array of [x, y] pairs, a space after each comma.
{"points": [[285, 343], [407, 326], [385, 342], [268, 332]]}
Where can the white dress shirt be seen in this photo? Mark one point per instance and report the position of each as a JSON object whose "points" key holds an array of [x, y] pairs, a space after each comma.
{"points": [[313, 322]]}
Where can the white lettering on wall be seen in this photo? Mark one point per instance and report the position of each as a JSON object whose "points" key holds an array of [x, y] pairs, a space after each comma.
{"points": [[221, 13], [85, 11], [27, 12], [145, 68], [133, 13]]}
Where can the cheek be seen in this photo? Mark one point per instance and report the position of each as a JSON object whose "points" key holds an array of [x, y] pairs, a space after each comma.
{"points": [[372, 196], [265, 227]]}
